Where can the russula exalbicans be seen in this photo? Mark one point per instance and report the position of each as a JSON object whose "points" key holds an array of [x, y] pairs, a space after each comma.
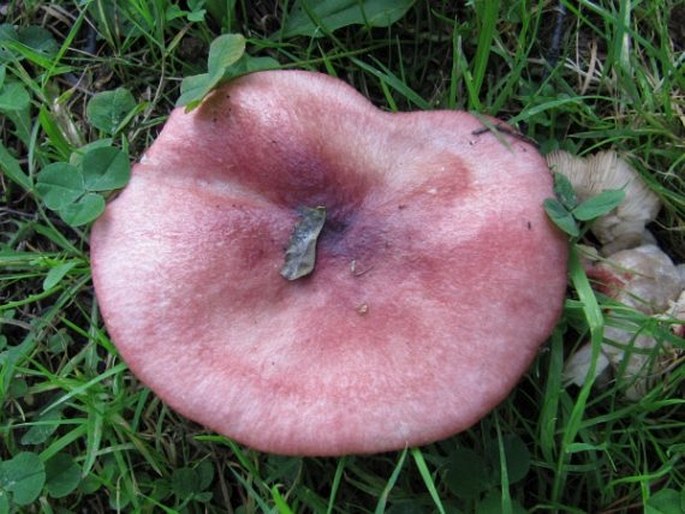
{"points": [[646, 279], [437, 274]]}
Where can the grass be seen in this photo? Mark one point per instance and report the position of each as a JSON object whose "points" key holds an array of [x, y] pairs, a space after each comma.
{"points": [[79, 434]]}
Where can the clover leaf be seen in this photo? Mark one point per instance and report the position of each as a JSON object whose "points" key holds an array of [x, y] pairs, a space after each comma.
{"points": [[59, 184], [74, 191], [599, 205], [565, 211], [23, 477], [108, 110]]}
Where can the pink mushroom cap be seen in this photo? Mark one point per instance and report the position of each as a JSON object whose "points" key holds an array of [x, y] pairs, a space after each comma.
{"points": [[437, 274]]}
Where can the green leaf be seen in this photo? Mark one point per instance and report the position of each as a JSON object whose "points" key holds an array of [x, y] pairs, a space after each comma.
{"points": [[4, 503], [115, 19], [193, 90], [203, 497], [172, 12], [563, 189], [248, 64], [56, 274], [45, 426], [308, 17], [76, 157], [22, 122], [84, 210], [517, 457], [107, 110], [105, 169], [224, 51], [185, 482], [467, 474], [253, 64], [63, 475], [561, 217], [90, 484], [196, 16], [38, 39], [12, 169], [492, 504], [227, 60], [58, 344], [59, 184], [666, 501], [8, 33], [205, 473], [31, 40], [599, 205], [219, 10], [14, 97], [23, 476], [282, 469]]}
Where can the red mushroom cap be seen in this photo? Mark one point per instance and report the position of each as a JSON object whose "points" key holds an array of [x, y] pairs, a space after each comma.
{"points": [[437, 274]]}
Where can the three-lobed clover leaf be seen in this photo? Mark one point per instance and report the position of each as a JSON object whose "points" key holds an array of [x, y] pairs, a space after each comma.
{"points": [[108, 110], [63, 475], [59, 184], [74, 191], [565, 211]]}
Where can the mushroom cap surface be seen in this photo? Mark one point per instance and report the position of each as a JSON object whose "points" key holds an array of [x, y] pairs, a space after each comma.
{"points": [[437, 273]]}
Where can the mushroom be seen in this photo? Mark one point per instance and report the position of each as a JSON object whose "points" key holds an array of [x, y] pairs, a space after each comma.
{"points": [[434, 278], [676, 312], [645, 279], [624, 227]]}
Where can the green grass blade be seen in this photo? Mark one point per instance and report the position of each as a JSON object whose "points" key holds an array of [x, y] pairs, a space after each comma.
{"points": [[335, 486], [383, 498], [595, 320], [488, 12], [427, 478]]}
